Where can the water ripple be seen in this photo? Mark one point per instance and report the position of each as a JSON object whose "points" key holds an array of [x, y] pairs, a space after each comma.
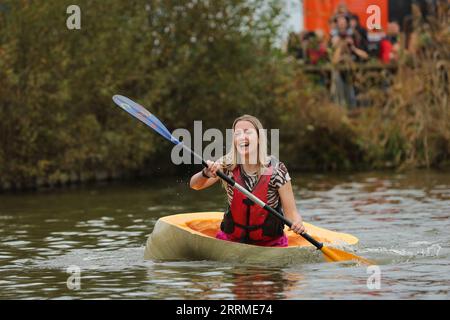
{"points": [[402, 221]]}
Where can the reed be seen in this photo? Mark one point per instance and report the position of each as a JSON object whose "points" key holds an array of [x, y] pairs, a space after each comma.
{"points": [[409, 124]]}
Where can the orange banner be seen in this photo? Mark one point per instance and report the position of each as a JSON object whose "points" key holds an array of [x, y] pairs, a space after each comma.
{"points": [[318, 12]]}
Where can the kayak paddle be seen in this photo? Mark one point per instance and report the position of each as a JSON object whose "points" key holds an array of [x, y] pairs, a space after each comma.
{"points": [[139, 112]]}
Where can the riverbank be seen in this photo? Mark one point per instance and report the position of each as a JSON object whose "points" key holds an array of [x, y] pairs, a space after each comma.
{"points": [[181, 175]]}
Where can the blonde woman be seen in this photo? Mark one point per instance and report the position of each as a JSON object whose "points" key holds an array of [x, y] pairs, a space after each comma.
{"points": [[267, 178]]}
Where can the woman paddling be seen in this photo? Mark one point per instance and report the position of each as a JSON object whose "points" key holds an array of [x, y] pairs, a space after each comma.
{"points": [[266, 177]]}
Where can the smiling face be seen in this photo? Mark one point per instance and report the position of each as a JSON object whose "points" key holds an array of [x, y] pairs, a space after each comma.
{"points": [[246, 140], [342, 24]]}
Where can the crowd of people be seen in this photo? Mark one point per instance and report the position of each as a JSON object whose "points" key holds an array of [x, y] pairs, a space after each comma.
{"points": [[347, 42]]}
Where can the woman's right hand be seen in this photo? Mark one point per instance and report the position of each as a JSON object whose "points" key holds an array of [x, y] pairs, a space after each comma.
{"points": [[212, 169]]}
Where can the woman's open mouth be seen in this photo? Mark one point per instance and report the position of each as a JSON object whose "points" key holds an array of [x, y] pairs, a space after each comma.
{"points": [[244, 145]]}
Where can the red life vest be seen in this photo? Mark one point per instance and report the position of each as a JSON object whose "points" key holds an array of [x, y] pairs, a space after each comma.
{"points": [[248, 219]]}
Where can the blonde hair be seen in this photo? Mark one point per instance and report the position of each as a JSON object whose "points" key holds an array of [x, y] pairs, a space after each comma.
{"points": [[230, 160]]}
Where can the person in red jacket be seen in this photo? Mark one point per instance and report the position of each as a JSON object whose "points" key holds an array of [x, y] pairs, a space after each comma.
{"points": [[265, 176], [390, 46]]}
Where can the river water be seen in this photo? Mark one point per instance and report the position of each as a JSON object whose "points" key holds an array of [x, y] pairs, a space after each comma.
{"points": [[47, 238]]}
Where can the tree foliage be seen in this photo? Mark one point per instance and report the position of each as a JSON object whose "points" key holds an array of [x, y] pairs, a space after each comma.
{"points": [[184, 60]]}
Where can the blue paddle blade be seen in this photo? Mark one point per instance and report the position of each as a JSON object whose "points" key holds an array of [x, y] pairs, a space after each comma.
{"points": [[139, 112]]}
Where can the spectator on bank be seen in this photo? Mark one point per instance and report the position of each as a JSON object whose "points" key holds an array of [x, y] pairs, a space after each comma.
{"points": [[359, 33], [332, 24], [344, 43], [390, 45], [309, 47], [315, 47], [345, 51]]}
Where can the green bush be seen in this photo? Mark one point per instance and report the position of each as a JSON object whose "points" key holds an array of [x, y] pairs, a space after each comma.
{"points": [[184, 60], [192, 60]]}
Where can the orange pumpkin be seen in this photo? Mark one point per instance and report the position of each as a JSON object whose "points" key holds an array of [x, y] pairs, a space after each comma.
{"points": [[191, 236]]}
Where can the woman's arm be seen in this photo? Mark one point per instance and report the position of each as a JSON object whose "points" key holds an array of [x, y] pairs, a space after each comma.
{"points": [[338, 48], [199, 182], [360, 53], [290, 209]]}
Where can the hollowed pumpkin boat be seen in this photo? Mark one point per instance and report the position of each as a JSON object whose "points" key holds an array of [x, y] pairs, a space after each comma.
{"points": [[191, 236]]}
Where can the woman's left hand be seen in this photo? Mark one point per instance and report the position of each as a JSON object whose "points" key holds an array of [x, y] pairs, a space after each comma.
{"points": [[298, 227]]}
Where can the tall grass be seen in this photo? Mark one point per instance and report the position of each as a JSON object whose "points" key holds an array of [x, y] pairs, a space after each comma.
{"points": [[409, 126]]}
